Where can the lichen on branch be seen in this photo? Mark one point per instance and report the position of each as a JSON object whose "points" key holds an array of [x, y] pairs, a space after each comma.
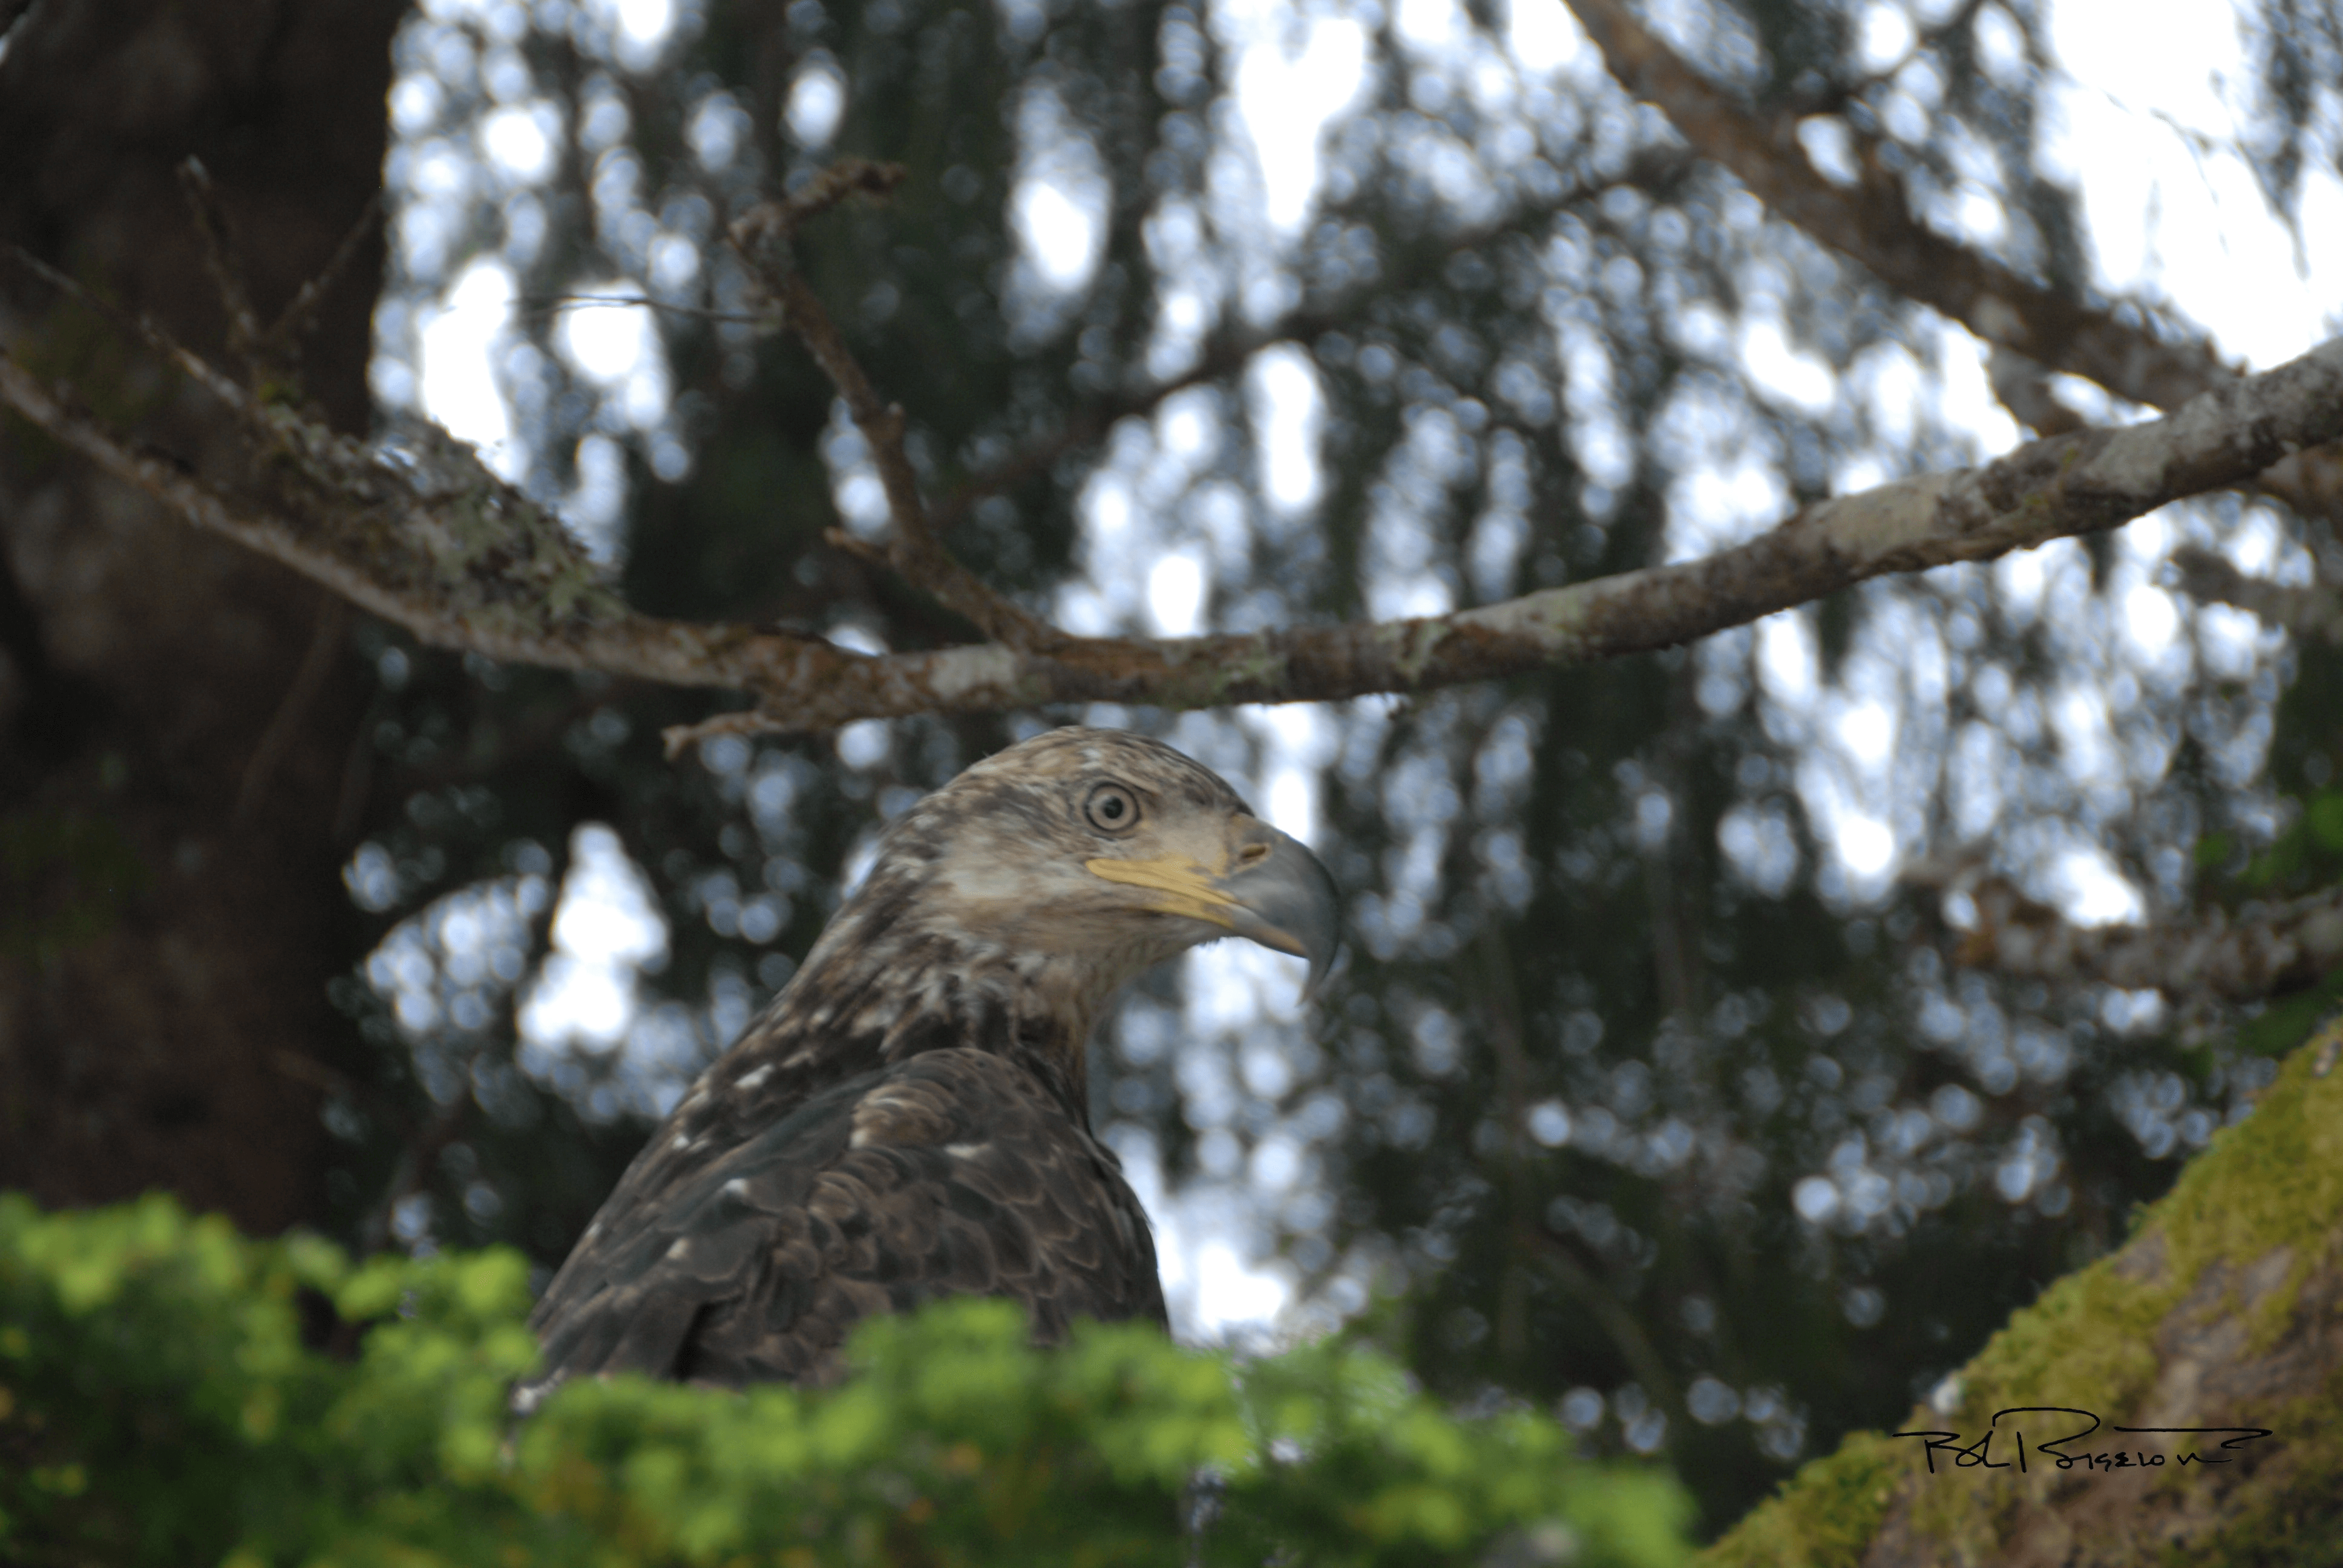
{"points": [[445, 548]]}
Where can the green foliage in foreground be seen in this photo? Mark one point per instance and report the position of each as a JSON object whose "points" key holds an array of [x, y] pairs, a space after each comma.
{"points": [[158, 1404]]}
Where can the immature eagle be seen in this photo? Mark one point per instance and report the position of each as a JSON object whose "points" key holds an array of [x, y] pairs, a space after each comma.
{"points": [[909, 1119]]}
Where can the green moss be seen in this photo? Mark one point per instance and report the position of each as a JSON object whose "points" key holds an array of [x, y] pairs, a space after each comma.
{"points": [[2266, 1191], [2273, 1182], [1824, 1516], [2291, 1513]]}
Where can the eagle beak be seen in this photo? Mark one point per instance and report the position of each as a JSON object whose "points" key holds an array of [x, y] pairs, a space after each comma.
{"points": [[1284, 899], [1270, 889]]}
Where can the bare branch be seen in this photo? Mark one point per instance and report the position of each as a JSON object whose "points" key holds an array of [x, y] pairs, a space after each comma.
{"points": [[282, 338], [538, 308], [862, 550], [762, 237], [216, 232], [2025, 389], [192, 365], [1230, 352], [681, 737], [914, 550], [438, 544], [2281, 949], [326, 644], [270, 355], [1871, 223], [2313, 612], [781, 217]]}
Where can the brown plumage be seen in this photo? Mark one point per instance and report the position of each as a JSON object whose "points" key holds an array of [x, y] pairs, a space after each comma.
{"points": [[908, 1120]]}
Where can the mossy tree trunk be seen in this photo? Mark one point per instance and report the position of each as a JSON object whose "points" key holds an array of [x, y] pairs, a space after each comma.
{"points": [[175, 713], [2224, 1310]]}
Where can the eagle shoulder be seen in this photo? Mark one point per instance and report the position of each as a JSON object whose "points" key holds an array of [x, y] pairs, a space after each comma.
{"points": [[951, 1172]]}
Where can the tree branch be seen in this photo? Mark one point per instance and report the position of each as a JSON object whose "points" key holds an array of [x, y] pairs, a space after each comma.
{"points": [[2313, 612], [293, 322], [132, 323], [2024, 388], [435, 542], [327, 643], [762, 237], [1227, 352], [1872, 224], [2281, 948], [216, 232]]}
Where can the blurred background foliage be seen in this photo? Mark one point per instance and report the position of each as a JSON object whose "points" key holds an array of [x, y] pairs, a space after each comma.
{"points": [[1655, 1094]]}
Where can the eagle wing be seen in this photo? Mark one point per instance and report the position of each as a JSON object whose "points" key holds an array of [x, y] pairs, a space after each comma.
{"points": [[951, 1172]]}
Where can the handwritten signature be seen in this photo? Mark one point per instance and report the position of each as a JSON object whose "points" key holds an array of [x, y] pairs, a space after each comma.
{"points": [[1976, 1456]]}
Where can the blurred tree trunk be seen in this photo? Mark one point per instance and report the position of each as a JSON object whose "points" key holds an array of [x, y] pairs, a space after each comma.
{"points": [[175, 713], [2224, 1310]]}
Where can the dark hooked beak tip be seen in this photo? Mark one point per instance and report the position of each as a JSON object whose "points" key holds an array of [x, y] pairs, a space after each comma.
{"points": [[1286, 901]]}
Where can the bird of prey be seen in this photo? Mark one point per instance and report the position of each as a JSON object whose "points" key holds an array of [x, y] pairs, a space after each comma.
{"points": [[909, 1119]]}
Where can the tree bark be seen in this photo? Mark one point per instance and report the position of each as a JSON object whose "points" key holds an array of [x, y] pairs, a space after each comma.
{"points": [[426, 536], [2225, 1311], [175, 711]]}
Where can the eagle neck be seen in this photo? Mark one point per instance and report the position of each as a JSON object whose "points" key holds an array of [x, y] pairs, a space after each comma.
{"points": [[859, 1006]]}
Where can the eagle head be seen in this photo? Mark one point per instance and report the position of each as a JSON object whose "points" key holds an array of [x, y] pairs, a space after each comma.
{"points": [[1066, 865]]}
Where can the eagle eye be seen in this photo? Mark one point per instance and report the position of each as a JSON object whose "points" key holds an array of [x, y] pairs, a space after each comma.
{"points": [[1110, 808]]}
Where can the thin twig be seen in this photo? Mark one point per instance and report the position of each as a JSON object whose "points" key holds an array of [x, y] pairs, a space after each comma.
{"points": [[781, 217], [299, 315], [543, 308], [679, 738], [324, 644], [861, 549], [2209, 578], [143, 327], [1873, 224], [217, 237], [914, 550]]}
